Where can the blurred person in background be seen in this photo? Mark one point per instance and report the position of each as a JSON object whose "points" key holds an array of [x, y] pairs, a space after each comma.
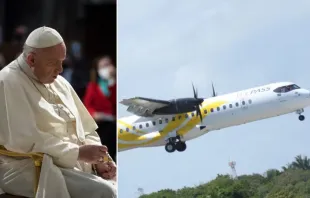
{"points": [[100, 101], [10, 50], [67, 69], [80, 70]]}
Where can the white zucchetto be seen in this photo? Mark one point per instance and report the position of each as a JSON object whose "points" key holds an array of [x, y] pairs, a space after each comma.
{"points": [[43, 37]]}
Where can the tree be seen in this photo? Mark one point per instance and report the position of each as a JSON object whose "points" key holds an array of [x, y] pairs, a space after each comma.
{"points": [[293, 181], [301, 163]]}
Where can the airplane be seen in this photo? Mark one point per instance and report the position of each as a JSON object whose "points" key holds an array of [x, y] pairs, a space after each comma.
{"points": [[171, 123]]}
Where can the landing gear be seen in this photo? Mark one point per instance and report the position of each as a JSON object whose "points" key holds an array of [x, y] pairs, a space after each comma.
{"points": [[300, 117], [175, 143], [180, 146], [170, 147]]}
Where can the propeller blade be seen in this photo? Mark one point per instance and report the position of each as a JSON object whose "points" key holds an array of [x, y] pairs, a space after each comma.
{"points": [[198, 112], [195, 95], [200, 115], [213, 94], [176, 104]]}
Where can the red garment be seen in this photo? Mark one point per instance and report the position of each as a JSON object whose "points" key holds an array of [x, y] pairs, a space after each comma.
{"points": [[96, 101]]}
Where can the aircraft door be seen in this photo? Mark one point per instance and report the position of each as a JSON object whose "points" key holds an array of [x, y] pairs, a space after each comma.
{"points": [[281, 95]]}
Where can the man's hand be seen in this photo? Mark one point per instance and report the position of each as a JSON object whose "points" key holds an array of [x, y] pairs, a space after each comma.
{"points": [[106, 170], [92, 154]]}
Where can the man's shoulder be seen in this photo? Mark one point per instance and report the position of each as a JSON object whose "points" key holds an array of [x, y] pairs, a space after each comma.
{"points": [[10, 74]]}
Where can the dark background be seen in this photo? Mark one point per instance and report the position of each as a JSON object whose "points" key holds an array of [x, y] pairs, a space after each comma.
{"points": [[92, 23]]}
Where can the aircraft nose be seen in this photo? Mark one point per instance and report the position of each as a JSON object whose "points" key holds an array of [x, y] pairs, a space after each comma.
{"points": [[305, 93]]}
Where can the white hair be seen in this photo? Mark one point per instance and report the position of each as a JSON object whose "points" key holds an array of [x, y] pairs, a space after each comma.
{"points": [[27, 50]]}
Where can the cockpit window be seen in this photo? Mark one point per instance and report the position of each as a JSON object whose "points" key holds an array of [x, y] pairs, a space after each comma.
{"points": [[287, 88], [296, 86]]}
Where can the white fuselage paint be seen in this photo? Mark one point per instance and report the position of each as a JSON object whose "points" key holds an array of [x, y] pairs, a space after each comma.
{"points": [[265, 103]]}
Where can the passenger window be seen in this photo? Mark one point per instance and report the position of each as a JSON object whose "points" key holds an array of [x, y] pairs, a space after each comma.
{"points": [[160, 121], [140, 126], [127, 129], [166, 120], [205, 111], [218, 108], [243, 103], [224, 107], [180, 117], [211, 110], [230, 106], [121, 130], [186, 116], [250, 101], [147, 124], [133, 128], [193, 114], [237, 104], [154, 123], [173, 118]]}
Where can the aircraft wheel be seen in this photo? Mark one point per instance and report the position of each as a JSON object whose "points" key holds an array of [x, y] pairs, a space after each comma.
{"points": [[170, 147], [301, 117], [180, 146]]}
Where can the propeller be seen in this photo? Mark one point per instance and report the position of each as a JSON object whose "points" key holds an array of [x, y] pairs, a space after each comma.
{"points": [[199, 101], [213, 94]]}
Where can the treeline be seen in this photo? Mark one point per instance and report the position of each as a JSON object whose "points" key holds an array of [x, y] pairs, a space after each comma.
{"points": [[292, 181]]}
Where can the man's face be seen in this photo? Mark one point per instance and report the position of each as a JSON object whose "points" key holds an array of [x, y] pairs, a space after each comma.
{"points": [[46, 64]]}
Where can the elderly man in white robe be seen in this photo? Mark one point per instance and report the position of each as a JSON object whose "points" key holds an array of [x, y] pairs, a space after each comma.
{"points": [[40, 112]]}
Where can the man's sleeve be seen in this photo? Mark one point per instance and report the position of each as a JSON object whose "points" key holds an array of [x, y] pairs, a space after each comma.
{"points": [[19, 133]]}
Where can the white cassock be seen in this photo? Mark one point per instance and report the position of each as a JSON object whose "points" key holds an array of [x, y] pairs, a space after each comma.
{"points": [[50, 119]]}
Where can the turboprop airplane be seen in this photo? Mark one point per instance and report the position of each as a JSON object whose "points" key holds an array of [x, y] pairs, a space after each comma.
{"points": [[172, 123]]}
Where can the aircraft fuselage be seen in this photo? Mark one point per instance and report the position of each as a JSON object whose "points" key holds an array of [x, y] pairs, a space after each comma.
{"points": [[218, 112]]}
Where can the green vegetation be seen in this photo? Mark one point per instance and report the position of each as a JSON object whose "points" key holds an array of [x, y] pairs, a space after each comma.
{"points": [[293, 181]]}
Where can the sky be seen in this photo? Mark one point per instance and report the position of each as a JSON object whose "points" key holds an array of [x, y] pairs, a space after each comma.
{"points": [[163, 46]]}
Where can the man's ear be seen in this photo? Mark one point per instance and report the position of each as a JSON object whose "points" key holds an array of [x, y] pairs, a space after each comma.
{"points": [[30, 59]]}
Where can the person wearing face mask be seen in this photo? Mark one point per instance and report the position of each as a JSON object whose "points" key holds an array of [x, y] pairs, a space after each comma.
{"points": [[100, 101]]}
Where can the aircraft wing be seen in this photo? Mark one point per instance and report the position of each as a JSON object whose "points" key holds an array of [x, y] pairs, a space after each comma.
{"points": [[143, 106]]}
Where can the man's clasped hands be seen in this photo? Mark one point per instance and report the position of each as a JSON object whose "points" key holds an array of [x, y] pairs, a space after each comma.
{"points": [[94, 154]]}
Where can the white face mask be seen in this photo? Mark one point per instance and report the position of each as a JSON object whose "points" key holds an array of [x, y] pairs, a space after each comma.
{"points": [[104, 73]]}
